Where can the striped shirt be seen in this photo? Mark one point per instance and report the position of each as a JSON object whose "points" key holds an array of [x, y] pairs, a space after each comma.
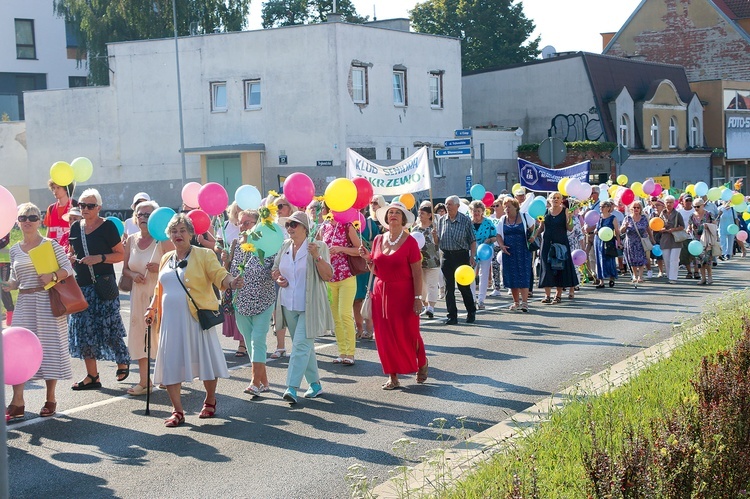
{"points": [[456, 234]]}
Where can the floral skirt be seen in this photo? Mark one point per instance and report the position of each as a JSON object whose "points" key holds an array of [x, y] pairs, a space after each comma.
{"points": [[98, 332]]}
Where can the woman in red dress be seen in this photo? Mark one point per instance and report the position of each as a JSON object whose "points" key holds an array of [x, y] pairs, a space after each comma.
{"points": [[396, 296]]}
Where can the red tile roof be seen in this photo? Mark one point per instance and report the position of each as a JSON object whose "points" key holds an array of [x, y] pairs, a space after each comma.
{"points": [[735, 9]]}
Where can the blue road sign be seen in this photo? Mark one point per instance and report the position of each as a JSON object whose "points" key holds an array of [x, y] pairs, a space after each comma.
{"points": [[468, 185], [457, 143], [456, 152], [466, 132]]}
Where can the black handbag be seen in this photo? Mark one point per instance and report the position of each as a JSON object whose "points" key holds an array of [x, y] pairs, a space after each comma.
{"points": [[536, 243], [206, 318], [105, 285], [610, 248]]}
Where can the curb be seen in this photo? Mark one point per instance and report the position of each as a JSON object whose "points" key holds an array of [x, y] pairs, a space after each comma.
{"points": [[431, 477]]}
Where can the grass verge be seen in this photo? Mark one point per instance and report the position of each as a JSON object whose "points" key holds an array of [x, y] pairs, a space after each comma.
{"points": [[578, 448]]}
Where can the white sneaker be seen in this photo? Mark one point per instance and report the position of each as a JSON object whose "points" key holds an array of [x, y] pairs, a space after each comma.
{"points": [[509, 293], [649, 274], [495, 292]]}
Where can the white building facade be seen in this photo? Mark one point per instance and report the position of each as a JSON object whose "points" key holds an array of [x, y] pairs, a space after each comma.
{"points": [[257, 106]]}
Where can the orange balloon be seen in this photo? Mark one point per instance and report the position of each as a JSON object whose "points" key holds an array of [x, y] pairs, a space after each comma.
{"points": [[407, 200], [656, 224]]}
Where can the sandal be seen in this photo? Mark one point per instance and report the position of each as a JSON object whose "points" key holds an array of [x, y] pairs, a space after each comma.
{"points": [[556, 300], [175, 420], [514, 306], [124, 372], [14, 412], [253, 390], [241, 351], [347, 361], [338, 360], [280, 352], [611, 283], [547, 300], [422, 373], [138, 390], [93, 385], [366, 335], [524, 307], [208, 411], [391, 385], [49, 409]]}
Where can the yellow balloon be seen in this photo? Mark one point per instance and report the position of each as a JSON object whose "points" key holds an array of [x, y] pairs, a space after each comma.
{"points": [[61, 173], [612, 190], [82, 169], [737, 198], [690, 189], [340, 194], [637, 189], [746, 216], [407, 200], [515, 188], [561, 185], [464, 275], [622, 179]]}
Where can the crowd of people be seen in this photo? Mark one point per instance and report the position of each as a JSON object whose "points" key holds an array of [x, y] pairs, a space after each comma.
{"points": [[183, 287]]}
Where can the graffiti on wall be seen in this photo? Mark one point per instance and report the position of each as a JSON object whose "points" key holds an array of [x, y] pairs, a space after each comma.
{"points": [[575, 127]]}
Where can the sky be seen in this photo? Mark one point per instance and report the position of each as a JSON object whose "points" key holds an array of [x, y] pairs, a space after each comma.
{"points": [[569, 25]]}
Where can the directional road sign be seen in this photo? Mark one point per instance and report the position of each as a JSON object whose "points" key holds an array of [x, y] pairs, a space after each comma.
{"points": [[466, 132], [457, 152], [457, 143]]}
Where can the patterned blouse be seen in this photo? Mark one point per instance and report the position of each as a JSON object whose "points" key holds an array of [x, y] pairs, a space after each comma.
{"points": [[258, 293], [430, 257], [335, 234], [485, 231]]}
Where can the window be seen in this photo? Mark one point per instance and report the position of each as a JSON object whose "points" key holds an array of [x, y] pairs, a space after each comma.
{"points": [[673, 133], [359, 84], [388, 153], [218, 96], [399, 88], [655, 144], [25, 48], [77, 81], [436, 90], [365, 152], [404, 151], [437, 166], [624, 130], [695, 133], [252, 94]]}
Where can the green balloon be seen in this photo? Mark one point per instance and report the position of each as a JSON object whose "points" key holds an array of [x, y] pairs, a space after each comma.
{"points": [[714, 193], [267, 238], [606, 234]]}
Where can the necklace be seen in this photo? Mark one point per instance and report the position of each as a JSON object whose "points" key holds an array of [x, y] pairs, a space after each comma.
{"points": [[394, 243]]}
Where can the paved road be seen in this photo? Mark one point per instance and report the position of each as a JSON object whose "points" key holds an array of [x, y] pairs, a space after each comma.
{"points": [[102, 445]]}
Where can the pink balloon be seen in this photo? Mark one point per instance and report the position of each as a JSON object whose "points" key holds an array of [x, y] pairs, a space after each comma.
{"points": [[345, 217], [8, 211], [190, 194], [488, 199], [299, 189], [213, 198], [579, 257], [627, 197], [657, 190], [741, 236], [362, 222], [22, 355]]}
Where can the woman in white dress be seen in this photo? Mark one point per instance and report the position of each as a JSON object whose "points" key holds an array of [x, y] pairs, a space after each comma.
{"points": [[141, 264], [185, 350], [34, 313]]}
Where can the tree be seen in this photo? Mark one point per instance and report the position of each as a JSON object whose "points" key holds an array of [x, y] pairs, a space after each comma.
{"points": [[493, 33], [290, 12], [99, 22]]}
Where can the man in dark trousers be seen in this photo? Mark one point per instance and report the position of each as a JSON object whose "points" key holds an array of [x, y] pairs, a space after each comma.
{"points": [[459, 247]]}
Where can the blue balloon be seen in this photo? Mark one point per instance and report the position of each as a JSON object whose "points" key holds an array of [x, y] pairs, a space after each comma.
{"points": [[726, 194], [158, 221], [247, 197], [118, 223], [732, 229], [701, 189], [695, 248], [656, 250], [537, 208], [266, 238], [484, 251], [477, 191]]}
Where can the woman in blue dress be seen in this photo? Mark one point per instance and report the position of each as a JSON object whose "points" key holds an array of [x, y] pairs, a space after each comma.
{"points": [[606, 266], [512, 240], [557, 223], [635, 226]]}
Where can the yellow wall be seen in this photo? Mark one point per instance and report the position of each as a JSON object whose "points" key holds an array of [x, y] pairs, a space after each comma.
{"points": [[670, 106]]}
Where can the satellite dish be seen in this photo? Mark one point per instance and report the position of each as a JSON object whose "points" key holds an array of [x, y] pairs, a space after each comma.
{"points": [[519, 132], [548, 52]]}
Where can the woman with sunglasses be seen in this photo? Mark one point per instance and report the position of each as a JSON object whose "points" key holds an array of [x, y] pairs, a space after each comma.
{"points": [[283, 209], [253, 302], [301, 269], [97, 333], [142, 256], [635, 226], [186, 281], [34, 313]]}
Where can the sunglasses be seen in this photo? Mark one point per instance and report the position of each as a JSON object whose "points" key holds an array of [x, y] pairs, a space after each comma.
{"points": [[143, 215], [87, 206], [496, 205], [291, 225], [281, 205], [30, 218]]}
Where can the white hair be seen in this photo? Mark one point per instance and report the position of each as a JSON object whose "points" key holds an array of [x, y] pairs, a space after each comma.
{"points": [[91, 193], [453, 200]]}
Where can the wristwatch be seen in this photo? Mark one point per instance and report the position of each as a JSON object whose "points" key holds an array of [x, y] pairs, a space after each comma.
{"points": [[104, 258]]}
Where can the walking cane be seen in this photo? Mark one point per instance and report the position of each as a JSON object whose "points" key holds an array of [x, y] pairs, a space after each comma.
{"points": [[148, 368]]}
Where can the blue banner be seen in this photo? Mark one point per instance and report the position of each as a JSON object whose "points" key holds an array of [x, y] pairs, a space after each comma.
{"points": [[541, 179]]}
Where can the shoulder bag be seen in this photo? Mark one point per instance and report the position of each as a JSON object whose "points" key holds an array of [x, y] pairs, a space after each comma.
{"points": [[645, 241], [66, 297], [125, 283], [206, 318], [536, 244], [610, 247], [367, 302], [105, 286], [357, 264], [678, 235]]}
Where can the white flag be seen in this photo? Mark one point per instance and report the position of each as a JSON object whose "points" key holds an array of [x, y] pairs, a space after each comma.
{"points": [[410, 175]]}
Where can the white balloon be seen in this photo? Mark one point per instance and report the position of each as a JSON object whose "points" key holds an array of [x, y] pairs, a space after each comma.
{"points": [[419, 237], [499, 257], [527, 202], [603, 195], [620, 216], [462, 208], [573, 187], [585, 191]]}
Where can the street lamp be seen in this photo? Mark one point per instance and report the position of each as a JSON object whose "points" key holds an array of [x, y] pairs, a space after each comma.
{"points": [[179, 94]]}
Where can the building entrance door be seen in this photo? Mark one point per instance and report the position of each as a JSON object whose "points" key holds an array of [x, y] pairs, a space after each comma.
{"points": [[225, 170]]}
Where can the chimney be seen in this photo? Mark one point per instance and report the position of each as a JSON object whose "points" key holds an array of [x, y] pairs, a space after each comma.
{"points": [[606, 38]]}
